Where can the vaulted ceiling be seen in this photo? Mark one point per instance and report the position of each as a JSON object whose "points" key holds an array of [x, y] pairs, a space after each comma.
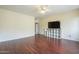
{"points": [[33, 9]]}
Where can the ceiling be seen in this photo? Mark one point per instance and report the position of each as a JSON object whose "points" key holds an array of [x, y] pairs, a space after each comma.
{"points": [[32, 9]]}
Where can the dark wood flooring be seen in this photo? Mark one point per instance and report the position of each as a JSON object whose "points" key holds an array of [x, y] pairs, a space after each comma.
{"points": [[39, 45]]}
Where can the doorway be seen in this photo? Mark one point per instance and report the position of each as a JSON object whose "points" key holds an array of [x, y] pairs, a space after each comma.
{"points": [[36, 28]]}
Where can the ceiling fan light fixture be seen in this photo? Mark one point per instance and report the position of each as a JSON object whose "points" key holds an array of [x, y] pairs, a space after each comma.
{"points": [[43, 9]]}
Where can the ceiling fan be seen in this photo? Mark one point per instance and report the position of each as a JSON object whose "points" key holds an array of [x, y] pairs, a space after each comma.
{"points": [[42, 9]]}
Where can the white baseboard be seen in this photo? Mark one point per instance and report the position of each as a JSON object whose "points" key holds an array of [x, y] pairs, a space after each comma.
{"points": [[70, 39], [14, 38]]}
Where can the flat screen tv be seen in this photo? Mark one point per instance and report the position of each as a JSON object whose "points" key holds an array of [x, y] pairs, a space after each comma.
{"points": [[54, 24]]}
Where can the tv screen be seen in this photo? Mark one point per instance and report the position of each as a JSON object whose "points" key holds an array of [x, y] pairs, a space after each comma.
{"points": [[54, 24]]}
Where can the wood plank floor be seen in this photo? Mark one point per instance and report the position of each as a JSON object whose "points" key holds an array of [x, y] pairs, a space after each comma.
{"points": [[39, 45]]}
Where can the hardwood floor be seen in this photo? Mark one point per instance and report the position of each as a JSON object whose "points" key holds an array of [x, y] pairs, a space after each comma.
{"points": [[39, 45]]}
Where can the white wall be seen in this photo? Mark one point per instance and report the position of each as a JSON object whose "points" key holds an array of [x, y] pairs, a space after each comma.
{"points": [[69, 28], [15, 25], [69, 24]]}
